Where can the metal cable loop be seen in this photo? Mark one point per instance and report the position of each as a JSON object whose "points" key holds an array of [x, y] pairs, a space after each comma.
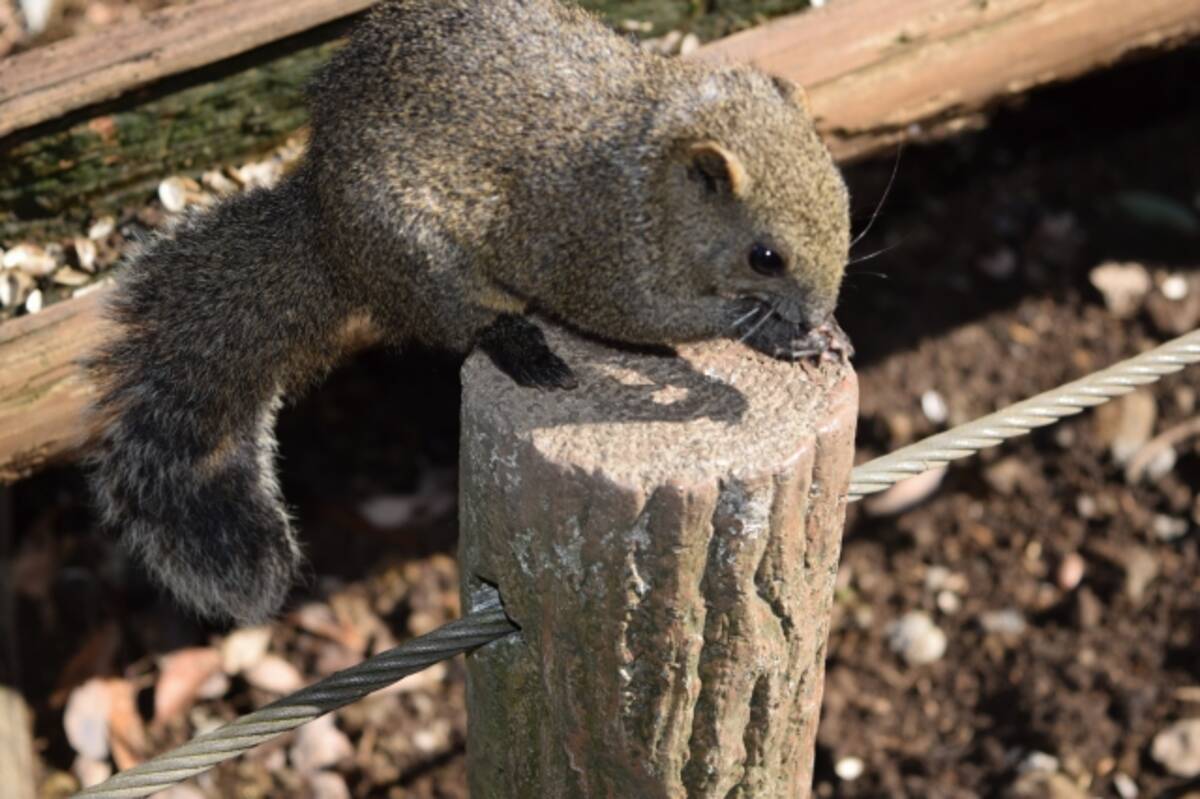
{"points": [[1019, 419], [307, 704]]}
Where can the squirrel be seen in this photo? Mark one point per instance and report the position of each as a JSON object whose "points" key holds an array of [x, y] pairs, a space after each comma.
{"points": [[470, 165]]}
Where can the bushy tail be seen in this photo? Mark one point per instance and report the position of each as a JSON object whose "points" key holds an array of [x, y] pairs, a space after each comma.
{"points": [[216, 319]]}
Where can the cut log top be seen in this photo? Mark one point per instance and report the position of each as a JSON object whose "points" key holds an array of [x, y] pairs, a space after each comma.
{"points": [[640, 418]]}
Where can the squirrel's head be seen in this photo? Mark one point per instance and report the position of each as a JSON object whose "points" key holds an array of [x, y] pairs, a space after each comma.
{"points": [[755, 211]]}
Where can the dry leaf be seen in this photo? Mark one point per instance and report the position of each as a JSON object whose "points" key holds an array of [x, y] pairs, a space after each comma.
{"points": [[242, 649], [127, 731], [320, 745], [274, 674], [181, 676], [328, 785]]}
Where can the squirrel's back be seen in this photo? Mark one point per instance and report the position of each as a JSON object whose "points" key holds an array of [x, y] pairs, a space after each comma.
{"points": [[471, 162]]}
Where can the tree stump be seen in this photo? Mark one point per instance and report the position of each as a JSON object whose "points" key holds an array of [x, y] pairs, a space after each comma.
{"points": [[667, 537]]}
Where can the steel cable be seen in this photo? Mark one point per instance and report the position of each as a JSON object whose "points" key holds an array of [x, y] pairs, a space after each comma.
{"points": [[1019, 419], [205, 751], [490, 623]]}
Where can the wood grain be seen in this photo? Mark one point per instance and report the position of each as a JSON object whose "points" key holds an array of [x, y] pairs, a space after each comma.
{"points": [[50, 81], [666, 537], [878, 71]]}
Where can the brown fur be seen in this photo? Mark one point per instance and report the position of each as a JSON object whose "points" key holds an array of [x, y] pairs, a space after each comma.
{"points": [[470, 162]]}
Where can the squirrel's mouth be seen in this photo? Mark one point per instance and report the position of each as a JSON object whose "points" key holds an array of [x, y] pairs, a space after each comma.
{"points": [[766, 325]]}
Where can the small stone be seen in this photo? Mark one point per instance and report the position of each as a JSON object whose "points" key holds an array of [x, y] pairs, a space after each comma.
{"points": [[1177, 748], [71, 277], [1175, 287], [636, 26], [14, 288], [1038, 761], [218, 182], [259, 175], [1124, 287], [1070, 571], [1000, 265], [102, 228], [1086, 506], [1168, 528], [916, 639], [934, 407], [1008, 622], [949, 602], [31, 259], [85, 253], [690, 44], [1088, 610], [1125, 786], [33, 303], [849, 769], [173, 193], [1141, 567]]}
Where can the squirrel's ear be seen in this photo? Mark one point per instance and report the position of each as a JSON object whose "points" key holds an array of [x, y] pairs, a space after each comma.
{"points": [[792, 92], [719, 167]]}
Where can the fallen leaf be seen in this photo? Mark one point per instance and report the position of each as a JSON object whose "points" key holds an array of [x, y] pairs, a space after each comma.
{"points": [[181, 676], [320, 745], [244, 648], [86, 720], [275, 674], [126, 730]]}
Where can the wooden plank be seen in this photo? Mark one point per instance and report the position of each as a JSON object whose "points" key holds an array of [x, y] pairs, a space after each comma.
{"points": [[47, 82], [878, 71], [42, 393]]}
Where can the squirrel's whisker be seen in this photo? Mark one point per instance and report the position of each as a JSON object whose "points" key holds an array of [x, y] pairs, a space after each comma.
{"points": [[879, 206]]}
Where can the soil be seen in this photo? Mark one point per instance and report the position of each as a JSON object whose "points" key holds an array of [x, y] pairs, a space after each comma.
{"points": [[982, 295]]}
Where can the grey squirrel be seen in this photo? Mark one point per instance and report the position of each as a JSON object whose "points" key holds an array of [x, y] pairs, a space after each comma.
{"points": [[470, 164]]}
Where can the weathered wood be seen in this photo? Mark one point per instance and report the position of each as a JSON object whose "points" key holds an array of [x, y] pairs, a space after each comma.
{"points": [[16, 746], [49, 184], [879, 71], [876, 70], [667, 538], [47, 82], [42, 394]]}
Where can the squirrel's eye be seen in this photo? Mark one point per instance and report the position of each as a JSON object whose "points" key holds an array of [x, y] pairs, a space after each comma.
{"points": [[766, 261]]}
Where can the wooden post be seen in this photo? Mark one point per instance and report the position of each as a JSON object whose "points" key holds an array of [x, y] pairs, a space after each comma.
{"points": [[667, 537]]}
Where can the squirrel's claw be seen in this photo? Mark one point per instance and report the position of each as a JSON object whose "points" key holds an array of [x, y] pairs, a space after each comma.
{"points": [[518, 348]]}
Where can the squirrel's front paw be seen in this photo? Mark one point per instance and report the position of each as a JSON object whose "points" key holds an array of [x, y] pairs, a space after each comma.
{"points": [[519, 349]]}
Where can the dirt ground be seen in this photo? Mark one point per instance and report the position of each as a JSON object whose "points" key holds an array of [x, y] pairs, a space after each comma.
{"points": [[1069, 597]]}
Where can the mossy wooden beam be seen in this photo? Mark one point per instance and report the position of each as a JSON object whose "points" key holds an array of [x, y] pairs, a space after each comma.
{"points": [[49, 181], [878, 70]]}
